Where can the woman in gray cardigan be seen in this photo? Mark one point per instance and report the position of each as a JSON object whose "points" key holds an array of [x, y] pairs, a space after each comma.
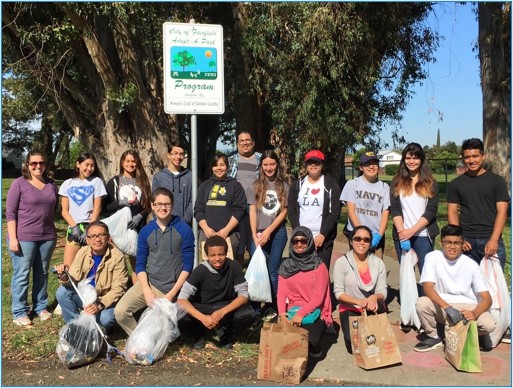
{"points": [[360, 281]]}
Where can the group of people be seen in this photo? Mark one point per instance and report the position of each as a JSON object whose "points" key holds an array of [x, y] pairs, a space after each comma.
{"points": [[243, 205]]}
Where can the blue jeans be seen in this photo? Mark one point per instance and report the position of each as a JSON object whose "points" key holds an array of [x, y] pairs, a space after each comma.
{"points": [[274, 252], [421, 245], [478, 249], [33, 255], [70, 303]]}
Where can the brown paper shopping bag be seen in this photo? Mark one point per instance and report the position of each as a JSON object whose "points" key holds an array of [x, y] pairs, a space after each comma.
{"points": [[462, 346], [373, 341], [283, 353]]}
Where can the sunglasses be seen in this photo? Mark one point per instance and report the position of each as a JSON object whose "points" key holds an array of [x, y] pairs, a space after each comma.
{"points": [[364, 239], [35, 164], [299, 240]]}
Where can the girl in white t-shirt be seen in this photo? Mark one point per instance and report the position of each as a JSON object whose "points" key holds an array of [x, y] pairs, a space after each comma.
{"points": [[414, 204], [81, 203]]}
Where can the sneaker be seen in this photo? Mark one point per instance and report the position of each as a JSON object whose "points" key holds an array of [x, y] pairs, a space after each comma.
{"points": [[45, 315], [58, 310], [226, 343], [507, 337], [315, 353], [257, 324], [23, 321], [270, 316], [199, 343], [429, 344]]}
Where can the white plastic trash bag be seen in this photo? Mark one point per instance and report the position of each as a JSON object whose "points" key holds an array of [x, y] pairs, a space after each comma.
{"points": [[157, 328], [79, 340], [259, 284], [125, 239], [408, 289], [501, 301]]}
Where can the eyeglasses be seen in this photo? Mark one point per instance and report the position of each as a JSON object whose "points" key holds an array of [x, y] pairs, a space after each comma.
{"points": [[299, 240], [35, 164], [364, 239], [314, 162], [160, 205], [245, 141], [457, 244], [97, 236]]}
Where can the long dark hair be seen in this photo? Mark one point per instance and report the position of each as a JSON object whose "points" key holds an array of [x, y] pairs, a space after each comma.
{"points": [[84, 156], [262, 183], [24, 168], [216, 158], [141, 178], [402, 181]]}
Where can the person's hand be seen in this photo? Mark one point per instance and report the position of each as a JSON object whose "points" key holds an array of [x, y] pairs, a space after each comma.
{"points": [[263, 237], [209, 232], [362, 303], [466, 246], [296, 320], [83, 239], [319, 240], [14, 245], [405, 234], [149, 297], [60, 270], [208, 322], [491, 248], [222, 233], [376, 238], [91, 309], [453, 314], [405, 245], [372, 303], [284, 319], [135, 221], [468, 315], [218, 315], [76, 233]]}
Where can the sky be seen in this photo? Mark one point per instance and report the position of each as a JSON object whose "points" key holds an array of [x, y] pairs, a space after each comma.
{"points": [[452, 90]]}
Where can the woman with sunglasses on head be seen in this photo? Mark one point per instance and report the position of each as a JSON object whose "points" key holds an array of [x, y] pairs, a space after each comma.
{"points": [[314, 202], [304, 289], [31, 236], [414, 204], [81, 203], [220, 205], [360, 281], [267, 199], [130, 188]]}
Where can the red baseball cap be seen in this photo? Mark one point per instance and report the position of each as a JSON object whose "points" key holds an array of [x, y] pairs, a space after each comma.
{"points": [[315, 155]]}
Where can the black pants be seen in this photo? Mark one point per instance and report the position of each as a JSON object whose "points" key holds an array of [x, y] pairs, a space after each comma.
{"points": [[344, 320], [233, 322], [326, 250], [315, 331]]}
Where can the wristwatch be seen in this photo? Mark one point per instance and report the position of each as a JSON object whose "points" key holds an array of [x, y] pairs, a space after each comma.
{"points": [[99, 304]]}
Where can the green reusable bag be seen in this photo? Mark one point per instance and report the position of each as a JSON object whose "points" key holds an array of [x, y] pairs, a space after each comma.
{"points": [[462, 346], [308, 319], [470, 357]]}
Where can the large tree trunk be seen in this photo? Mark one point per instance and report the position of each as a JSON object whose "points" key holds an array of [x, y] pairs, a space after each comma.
{"points": [[494, 54]]}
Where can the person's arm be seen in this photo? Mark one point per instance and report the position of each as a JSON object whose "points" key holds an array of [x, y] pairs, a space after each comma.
{"points": [[330, 221], [430, 292], [119, 282], [485, 302], [12, 204], [293, 206], [206, 320], [232, 224], [65, 212], [97, 208], [384, 222], [281, 299], [452, 214], [14, 244], [351, 214], [239, 301], [149, 295], [110, 203], [501, 217], [266, 234], [253, 222], [171, 295]]}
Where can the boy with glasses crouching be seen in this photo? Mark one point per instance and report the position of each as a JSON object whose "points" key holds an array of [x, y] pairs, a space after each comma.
{"points": [[454, 290], [106, 265]]}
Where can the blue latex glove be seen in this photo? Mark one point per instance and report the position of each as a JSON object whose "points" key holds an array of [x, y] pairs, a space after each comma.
{"points": [[405, 245], [376, 238], [136, 220]]}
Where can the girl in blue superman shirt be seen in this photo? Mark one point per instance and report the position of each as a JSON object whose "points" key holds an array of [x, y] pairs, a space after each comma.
{"points": [[81, 203]]}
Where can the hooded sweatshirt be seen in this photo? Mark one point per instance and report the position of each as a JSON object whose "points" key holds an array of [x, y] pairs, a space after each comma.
{"points": [[219, 200], [164, 254], [181, 186]]}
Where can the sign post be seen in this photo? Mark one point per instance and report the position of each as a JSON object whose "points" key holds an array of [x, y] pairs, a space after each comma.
{"points": [[193, 81]]}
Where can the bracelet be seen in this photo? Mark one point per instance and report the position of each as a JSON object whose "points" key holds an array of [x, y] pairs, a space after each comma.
{"points": [[99, 304]]}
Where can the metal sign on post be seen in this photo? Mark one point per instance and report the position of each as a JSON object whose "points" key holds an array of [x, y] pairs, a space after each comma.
{"points": [[193, 68]]}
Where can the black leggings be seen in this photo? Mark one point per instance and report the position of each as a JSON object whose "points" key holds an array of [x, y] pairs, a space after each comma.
{"points": [[344, 319], [315, 331]]}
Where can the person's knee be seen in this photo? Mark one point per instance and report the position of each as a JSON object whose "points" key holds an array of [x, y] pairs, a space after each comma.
{"points": [[487, 324], [423, 304], [62, 294]]}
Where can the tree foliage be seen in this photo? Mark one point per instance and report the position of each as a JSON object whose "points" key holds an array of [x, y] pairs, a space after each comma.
{"points": [[332, 74]]}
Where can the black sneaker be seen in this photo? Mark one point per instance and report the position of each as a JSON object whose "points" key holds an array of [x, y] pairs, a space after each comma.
{"points": [[226, 342], [199, 343], [315, 352], [429, 344], [507, 337]]}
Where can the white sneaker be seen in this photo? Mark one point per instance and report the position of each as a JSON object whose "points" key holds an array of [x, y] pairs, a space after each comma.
{"points": [[58, 310]]}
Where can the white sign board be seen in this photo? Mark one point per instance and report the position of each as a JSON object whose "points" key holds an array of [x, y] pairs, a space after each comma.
{"points": [[193, 68]]}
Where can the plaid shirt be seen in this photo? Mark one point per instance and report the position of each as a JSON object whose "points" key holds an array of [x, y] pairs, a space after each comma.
{"points": [[233, 164]]}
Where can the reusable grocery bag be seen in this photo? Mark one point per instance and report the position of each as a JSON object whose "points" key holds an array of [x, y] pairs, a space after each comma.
{"points": [[501, 301], [373, 341], [259, 284], [283, 353], [462, 346], [79, 340], [408, 289], [157, 328], [123, 238]]}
